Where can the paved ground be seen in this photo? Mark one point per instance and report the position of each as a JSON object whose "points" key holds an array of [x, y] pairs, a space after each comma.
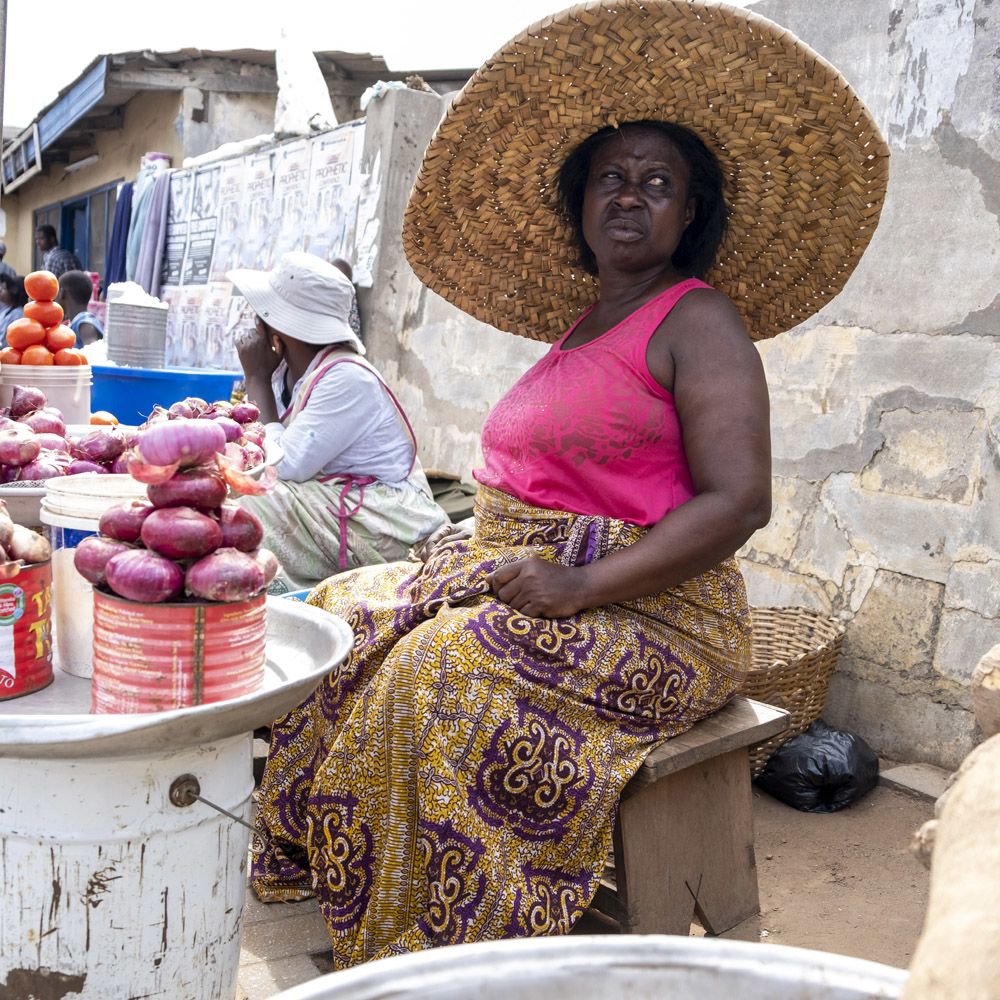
{"points": [[842, 882]]}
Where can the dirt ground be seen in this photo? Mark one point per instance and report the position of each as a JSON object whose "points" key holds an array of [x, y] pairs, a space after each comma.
{"points": [[843, 882]]}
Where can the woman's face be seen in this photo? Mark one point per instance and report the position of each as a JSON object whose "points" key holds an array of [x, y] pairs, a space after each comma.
{"points": [[5, 298], [636, 204]]}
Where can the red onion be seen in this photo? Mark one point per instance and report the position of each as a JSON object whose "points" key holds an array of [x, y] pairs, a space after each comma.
{"points": [[92, 554], [234, 451], [157, 415], [128, 434], [220, 408], [225, 575], [241, 528], [253, 455], [18, 445], [9, 473], [181, 533], [123, 522], [143, 472], [120, 465], [28, 545], [197, 404], [182, 409], [232, 430], [245, 412], [80, 465], [255, 433], [203, 488], [140, 575], [24, 399], [6, 421], [101, 445], [6, 525], [187, 442], [268, 562], [47, 465], [53, 442], [47, 420]]}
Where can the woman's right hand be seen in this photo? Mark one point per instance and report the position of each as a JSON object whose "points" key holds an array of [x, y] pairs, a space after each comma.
{"points": [[257, 354]]}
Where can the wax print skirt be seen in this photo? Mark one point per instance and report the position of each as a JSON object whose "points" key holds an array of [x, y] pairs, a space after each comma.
{"points": [[456, 779]]}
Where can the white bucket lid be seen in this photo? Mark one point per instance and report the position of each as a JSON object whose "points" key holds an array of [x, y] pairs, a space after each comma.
{"points": [[86, 495]]}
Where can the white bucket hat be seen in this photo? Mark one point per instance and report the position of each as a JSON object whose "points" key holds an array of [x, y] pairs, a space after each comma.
{"points": [[303, 297]]}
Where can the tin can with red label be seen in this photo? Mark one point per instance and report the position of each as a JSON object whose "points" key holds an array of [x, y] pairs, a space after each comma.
{"points": [[156, 657], [26, 631]]}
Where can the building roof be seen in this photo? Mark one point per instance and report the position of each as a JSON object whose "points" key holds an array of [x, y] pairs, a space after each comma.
{"points": [[95, 99]]}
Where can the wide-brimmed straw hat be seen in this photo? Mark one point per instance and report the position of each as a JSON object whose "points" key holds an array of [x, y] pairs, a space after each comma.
{"points": [[804, 164], [303, 297]]}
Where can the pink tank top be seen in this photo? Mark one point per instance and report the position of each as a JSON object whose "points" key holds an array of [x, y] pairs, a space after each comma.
{"points": [[589, 430]]}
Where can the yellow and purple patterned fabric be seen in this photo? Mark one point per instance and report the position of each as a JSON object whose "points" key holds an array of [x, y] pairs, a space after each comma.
{"points": [[456, 779]]}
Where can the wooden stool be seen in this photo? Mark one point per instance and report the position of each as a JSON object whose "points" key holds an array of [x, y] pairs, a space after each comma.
{"points": [[683, 843]]}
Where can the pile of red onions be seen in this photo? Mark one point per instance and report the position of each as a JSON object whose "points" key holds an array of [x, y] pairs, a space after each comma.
{"points": [[239, 422], [19, 545], [185, 538], [34, 445]]}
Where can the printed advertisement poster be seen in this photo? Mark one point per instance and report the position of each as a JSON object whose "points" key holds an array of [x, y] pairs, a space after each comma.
{"points": [[202, 226], [188, 326], [229, 236], [178, 216], [334, 179], [291, 192], [173, 356], [258, 235], [214, 350]]}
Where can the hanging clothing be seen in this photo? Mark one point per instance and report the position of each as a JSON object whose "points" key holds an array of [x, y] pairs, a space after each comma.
{"points": [[149, 259], [115, 265]]}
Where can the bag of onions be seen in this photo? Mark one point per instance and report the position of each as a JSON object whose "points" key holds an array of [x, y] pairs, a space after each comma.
{"points": [[188, 547]]}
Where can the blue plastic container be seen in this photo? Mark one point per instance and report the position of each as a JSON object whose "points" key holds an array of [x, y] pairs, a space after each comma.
{"points": [[131, 393]]}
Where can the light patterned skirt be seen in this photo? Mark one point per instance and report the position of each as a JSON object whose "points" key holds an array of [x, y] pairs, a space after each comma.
{"points": [[456, 779]]}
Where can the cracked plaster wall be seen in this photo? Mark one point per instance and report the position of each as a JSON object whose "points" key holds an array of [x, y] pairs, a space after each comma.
{"points": [[885, 404]]}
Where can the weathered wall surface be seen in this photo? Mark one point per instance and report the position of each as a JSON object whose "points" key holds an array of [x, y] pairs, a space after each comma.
{"points": [[447, 369], [885, 416]]}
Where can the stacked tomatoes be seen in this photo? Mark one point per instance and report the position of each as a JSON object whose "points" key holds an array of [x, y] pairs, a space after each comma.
{"points": [[41, 337]]}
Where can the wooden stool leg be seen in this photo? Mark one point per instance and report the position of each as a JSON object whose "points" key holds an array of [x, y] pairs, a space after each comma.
{"points": [[686, 848]]}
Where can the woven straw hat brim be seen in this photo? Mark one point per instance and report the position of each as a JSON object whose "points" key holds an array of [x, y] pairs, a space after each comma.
{"points": [[804, 163]]}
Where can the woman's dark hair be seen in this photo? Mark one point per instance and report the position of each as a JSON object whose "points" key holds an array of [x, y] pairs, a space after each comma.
{"points": [[15, 289], [695, 253]]}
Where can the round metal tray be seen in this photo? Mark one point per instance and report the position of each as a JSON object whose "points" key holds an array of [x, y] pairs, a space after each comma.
{"points": [[303, 645]]}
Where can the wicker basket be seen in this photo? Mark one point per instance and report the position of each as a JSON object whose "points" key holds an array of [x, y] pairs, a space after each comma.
{"points": [[795, 651]]}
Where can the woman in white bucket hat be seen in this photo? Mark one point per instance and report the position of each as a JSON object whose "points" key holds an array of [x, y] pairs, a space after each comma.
{"points": [[351, 490]]}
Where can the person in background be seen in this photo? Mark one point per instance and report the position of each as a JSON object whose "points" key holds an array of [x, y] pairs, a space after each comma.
{"points": [[351, 491], [75, 290], [5, 268], [54, 257], [13, 299], [354, 320]]}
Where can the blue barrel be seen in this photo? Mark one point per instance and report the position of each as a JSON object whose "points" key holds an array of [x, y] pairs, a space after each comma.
{"points": [[131, 393]]}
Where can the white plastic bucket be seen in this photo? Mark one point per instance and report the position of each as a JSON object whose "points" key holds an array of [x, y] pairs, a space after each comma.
{"points": [[66, 387], [637, 966], [72, 507], [110, 889]]}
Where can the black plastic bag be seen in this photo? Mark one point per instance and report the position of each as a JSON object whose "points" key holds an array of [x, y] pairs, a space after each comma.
{"points": [[821, 770]]}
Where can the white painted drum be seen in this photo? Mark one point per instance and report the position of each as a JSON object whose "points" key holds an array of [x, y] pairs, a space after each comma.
{"points": [[118, 892], [609, 967], [110, 890]]}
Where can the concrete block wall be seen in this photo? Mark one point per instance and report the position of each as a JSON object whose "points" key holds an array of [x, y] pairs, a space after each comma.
{"points": [[884, 406], [885, 417]]}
